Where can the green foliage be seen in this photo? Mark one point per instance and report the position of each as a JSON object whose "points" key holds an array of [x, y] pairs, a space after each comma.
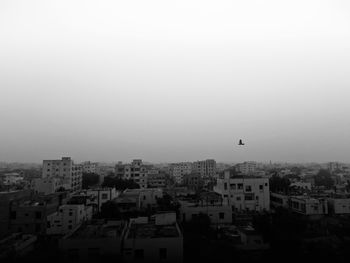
{"points": [[119, 184]]}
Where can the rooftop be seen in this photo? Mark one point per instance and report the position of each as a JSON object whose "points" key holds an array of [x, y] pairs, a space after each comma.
{"points": [[112, 229], [150, 230]]}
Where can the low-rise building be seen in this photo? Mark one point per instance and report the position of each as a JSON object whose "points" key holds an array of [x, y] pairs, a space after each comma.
{"points": [[46, 185], [91, 241], [339, 205], [96, 196], [15, 246], [308, 206], [243, 192], [157, 239], [156, 179], [67, 218]]}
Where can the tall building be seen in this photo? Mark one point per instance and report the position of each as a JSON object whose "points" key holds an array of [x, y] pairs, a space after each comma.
{"points": [[244, 192], [179, 170], [206, 168], [69, 173], [136, 171]]}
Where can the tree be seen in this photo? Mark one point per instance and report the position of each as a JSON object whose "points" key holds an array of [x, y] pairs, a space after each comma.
{"points": [[90, 179], [323, 178], [119, 184], [110, 210]]}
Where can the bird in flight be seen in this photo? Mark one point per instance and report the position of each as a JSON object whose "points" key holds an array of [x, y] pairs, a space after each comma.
{"points": [[240, 142]]}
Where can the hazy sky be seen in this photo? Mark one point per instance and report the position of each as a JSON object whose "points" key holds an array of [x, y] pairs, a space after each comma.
{"points": [[175, 80]]}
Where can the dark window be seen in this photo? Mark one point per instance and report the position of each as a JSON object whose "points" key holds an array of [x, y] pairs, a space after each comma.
{"points": [[248, 188], [138, 254], [240, 186], [104, 196], [225, 186], [238, 198], [261, 187], [13, 215], [162, 253], [37, 227], [221, 215], [37, 215]]}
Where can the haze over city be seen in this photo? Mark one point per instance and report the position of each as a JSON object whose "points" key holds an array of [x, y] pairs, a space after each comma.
{"points": [[172, 81]]}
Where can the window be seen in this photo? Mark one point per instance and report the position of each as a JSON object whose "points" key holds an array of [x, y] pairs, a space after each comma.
{"points": [[222, 215], [138, 254], [37, 227], [233, 186], [248, 188], [249, 197], [225, 186], [13, 215], [37, 215], [162, 253], [240, 186], [104, 196], [238, 198], [261, 187], [70, 227], [70, 213]]}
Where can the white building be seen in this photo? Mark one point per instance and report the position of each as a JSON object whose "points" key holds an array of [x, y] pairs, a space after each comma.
{"points": [[308, 206], [12, 179], [206, 168], [67, 218], [156, 240], [64, 169], [246, 168], [46, 185], [339, 205], [179, 170], [244, 192], [89, 167]]}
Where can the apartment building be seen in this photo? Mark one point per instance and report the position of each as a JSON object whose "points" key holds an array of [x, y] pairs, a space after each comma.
{"points": [[246, 168], [46, 185], [67, 218], [89, 167], [206, 168], [244, 192], [135, 171], [179, 170], [65, 170]]}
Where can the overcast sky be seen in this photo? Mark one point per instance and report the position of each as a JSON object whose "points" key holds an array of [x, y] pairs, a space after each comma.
{"points": [[175, 80]]}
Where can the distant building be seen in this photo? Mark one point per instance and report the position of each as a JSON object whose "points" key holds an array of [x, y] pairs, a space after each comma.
{"points": [[135, 171], [156, 179], [246, 168], [193, 181], [46, 185], [308, 206], [334, 166], [302, 185], [89, 167], [244, 192], [166, 240], [67, 218], [12, 179], [179, 170], [65, 170], [206, 168], [91, 241]]}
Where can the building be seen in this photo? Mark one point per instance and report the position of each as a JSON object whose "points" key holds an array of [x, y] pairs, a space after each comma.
{"points": [[6, 200], [65, 170], [135, 171], [244, 192], [30, 216], [12, 179], [279, 200], [156, 179], [179, 170], [206, 168], [193, 181], [302, 185], [95, 197], [246, 168], [46, 185], [308, 206], [16, 246], [89, 167], [91, 241], [67, 218], [157, 239], [339, 205], [210, 204], [334, 166]]}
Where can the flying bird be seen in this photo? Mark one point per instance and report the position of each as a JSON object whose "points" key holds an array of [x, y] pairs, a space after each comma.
{"points": [[240, 142]]}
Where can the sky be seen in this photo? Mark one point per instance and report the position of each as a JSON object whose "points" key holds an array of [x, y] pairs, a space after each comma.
{"points": [[169, 81]]}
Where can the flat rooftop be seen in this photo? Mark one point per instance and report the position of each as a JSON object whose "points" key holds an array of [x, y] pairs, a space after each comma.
{"points": [[150, 230], [98, 230]]}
